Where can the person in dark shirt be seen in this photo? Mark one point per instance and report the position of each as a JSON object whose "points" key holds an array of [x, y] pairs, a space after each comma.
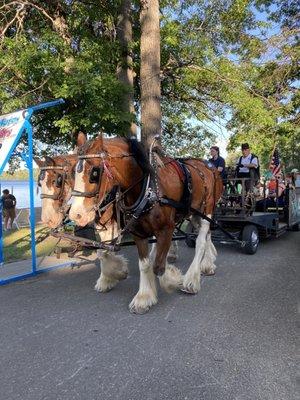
{"points": [[217, 160], [9, 208]]}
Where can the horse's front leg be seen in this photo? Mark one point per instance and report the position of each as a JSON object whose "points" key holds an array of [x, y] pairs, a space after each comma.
{"points": [[170, 277], [191, 281], [147, 293]]}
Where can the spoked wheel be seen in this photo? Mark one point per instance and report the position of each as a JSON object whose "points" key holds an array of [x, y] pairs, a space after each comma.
{"points": [[296, 227], [189, 240], [250, 238]]}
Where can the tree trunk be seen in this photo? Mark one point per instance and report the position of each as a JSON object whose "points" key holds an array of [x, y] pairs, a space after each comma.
{"points": [[150, 71], [124, 71]]}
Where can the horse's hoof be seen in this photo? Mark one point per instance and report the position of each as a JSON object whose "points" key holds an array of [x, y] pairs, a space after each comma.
{"points": [[141, 304], [102, 289], [209, 273], [188, 291], [138, 310]]}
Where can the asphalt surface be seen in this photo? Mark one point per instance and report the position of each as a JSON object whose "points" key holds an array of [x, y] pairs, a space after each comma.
{"points": [[235, 340]]}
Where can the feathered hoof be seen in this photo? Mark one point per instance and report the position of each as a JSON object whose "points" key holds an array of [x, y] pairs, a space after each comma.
{"points": [[190, 286], [141, 304], [105, 284], [171, 279]]}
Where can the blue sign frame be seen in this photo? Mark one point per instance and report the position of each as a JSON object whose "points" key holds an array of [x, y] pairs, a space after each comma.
{"points": [[27, 156]]}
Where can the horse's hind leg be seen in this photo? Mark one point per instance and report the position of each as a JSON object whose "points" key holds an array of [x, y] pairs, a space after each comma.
{"points": [[191, 280], [208, 262], [173, 252], [147, 293]]}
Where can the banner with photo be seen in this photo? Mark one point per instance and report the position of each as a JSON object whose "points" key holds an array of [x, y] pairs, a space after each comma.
{"points": [[11, 127]]}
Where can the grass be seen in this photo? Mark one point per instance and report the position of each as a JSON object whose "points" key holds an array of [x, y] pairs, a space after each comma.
{"points": [[17, 243]]}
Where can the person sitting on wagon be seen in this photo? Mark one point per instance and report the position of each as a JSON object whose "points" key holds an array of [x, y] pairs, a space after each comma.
{"points": [[272, 187], [248, 167], [275, 194], [217, 161]]}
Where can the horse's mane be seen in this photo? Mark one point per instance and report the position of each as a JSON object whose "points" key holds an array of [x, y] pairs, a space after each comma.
{"points": [[140, 155], [138, 150]]}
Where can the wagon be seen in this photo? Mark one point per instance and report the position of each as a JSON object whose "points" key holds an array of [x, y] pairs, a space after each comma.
{"points": [[242, 220]]}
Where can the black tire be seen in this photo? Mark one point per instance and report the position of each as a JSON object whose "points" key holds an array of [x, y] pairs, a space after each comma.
{"points": [[250, 238], [296, 228], [190, 241]]}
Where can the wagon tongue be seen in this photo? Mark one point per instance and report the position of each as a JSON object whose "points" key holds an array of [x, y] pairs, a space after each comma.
{"points": [[84, 242]]}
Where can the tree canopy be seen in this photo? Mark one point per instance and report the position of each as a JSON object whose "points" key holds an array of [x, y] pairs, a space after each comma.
{"points": [[231, 64]]}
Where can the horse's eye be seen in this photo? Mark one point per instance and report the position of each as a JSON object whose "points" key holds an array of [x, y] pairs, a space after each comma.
{"points": [[79, 166]]}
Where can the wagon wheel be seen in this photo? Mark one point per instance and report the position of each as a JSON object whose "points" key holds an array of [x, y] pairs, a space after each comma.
{"points": [[296, 227], [250, 239]]}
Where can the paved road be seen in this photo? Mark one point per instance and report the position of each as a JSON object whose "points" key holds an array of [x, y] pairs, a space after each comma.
{"points": [[235, 340]]}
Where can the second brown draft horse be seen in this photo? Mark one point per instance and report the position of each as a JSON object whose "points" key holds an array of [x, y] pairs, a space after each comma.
{"points": [[150, 198]]}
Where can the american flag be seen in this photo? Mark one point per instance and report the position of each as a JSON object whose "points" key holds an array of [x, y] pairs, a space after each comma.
{"points": [[275, 166]]}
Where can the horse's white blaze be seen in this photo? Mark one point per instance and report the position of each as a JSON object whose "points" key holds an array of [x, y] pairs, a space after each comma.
{"points": [[50, 214], [78, 212], [113, 269], [191, 280], [147, 294]]}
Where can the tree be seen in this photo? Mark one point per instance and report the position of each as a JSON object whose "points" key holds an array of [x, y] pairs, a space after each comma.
{"points": [[125, 68], [68, 49], [150, 71]]}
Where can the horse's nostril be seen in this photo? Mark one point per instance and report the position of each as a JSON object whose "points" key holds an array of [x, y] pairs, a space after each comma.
{"points": [[79, 216]]}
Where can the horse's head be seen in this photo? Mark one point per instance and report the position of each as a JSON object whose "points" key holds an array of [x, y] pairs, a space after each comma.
{"points": [[102, 163], [56, 179]]}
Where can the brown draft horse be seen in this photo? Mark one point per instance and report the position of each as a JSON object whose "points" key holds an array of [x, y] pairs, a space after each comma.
{"points": [[56, 179], [118, 162]]}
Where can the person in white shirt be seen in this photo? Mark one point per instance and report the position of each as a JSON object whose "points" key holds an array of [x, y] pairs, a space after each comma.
{"points": [[248, 167]]}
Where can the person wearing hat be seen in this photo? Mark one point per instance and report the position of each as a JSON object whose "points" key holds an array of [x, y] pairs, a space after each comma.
{"points": [[217, 160], [248, 167]]}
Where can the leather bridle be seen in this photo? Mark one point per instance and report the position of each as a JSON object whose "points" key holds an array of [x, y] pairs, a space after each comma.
{"points": [[104, 167], [56, 196]]}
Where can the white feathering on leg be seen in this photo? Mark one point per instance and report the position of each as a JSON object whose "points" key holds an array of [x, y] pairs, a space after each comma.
{"points": [[147, 294], [114, 268], [171, 279]]}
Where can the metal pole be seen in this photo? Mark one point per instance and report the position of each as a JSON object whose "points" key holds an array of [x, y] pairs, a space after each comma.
{"points": [[31, 194]]}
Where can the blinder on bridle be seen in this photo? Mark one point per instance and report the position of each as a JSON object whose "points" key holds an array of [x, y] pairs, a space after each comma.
{"points": [[94, 178], [59, 181], [41, 177], [95, 175]]}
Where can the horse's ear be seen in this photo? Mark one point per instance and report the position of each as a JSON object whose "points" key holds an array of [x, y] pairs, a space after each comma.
{"points": [[49, 161], [40, 163], [81, 139]]}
